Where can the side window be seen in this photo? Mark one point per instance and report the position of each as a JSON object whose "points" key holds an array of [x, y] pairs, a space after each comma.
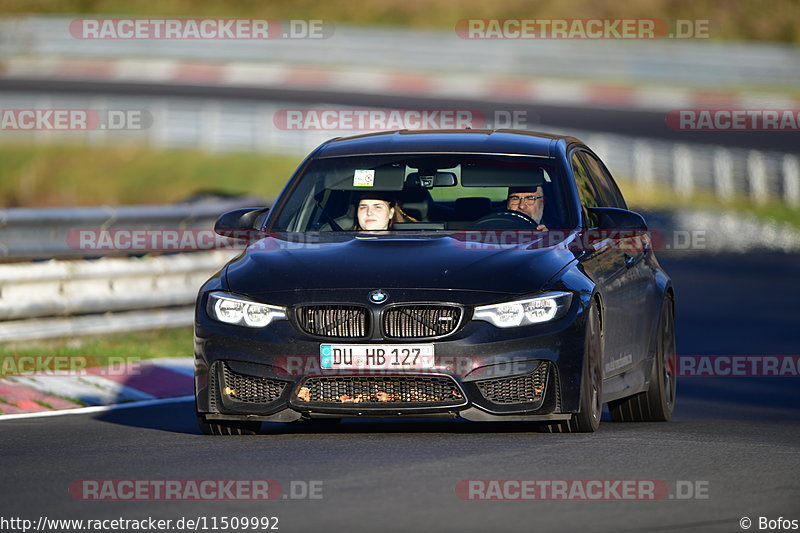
{"points": [[586, 190], [608, 191]]}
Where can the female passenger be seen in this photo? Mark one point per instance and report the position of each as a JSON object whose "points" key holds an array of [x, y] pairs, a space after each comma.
{"points": [[375, 211]]}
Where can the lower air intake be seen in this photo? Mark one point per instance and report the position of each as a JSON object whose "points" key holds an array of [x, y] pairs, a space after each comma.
{"points": [[529, 388], [250, 389], [418, 391]]}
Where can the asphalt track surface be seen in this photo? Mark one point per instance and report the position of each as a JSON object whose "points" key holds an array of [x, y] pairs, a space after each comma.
{"points": [[637, 123], [737, 437]]}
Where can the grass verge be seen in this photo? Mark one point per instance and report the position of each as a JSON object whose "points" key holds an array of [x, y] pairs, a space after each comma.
{"points": [[727, 19], [78, 175], [660, 197], [104, 350], [41, 176]]}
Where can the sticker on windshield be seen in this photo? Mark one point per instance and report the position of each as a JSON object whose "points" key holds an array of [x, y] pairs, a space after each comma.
{"points": [[364, 178]]}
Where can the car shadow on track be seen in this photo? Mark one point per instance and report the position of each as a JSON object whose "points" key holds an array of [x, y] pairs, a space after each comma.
{"points": [[179, 417], [752, 398], [755, 399]]}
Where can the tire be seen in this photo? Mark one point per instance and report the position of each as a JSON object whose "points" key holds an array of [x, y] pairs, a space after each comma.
{"points": [[658, 401], [587, 419], [227, 427]]}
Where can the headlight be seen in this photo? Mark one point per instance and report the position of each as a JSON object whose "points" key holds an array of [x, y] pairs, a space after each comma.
{"points": [[544, 308], [241, 312]]}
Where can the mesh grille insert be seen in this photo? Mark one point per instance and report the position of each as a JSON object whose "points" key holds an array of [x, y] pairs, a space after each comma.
{"points": [[250, 389], [381, 390], [212, 388], [348, 321], [529, 388], [415, 321]]}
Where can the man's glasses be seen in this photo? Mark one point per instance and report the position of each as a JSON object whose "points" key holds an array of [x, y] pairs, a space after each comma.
{"points": [[516, 199]]}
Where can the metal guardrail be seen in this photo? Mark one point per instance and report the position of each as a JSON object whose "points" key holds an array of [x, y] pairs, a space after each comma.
{"points": [[47, 233], [54, 288], [20, 331], [700, 63], [75, 296], [151, 292], [66, 298], [688, 169], [222, 125]]}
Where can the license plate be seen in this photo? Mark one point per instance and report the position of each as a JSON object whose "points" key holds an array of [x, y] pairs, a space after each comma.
{"points": [[376, 356]]}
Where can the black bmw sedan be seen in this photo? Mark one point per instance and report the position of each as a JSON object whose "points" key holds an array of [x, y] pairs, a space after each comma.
{"points": [[486, 275]]}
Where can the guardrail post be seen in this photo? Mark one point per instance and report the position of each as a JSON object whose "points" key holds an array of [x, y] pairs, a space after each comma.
{"points": [[757, 172], [264, 129], [98, 136], [158, 131], [643, 163], [791, 180], [683, 179], [723, 174], [600, 145], [210, 127], [42, 136]]}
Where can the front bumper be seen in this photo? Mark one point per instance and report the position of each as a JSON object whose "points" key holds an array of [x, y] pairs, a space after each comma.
{"points": [[481, 373]]}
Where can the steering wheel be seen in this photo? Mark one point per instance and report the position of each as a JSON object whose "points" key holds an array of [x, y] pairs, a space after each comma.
{"points": [[506, 219]]}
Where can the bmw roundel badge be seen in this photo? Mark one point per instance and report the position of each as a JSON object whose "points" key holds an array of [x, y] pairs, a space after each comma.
{"points": [[378, 296]]}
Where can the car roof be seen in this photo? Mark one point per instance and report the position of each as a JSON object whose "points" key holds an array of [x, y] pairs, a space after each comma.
{"points": [[447, 141]]}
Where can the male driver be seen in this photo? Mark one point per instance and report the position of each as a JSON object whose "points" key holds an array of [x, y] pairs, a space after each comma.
{"points": [[528, 200]]}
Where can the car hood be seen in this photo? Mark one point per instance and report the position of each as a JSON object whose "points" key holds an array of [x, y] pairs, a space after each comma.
{"points": [[464, 262]]}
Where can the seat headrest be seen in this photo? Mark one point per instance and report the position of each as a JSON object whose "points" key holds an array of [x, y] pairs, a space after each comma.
{"points": [[415, 202], [472, 208]]}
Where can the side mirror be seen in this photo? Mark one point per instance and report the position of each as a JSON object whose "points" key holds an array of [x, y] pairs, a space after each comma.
{"points": [[612, 218], [240, 222]]}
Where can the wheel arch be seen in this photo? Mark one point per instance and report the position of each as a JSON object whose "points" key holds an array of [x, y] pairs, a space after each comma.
{"points": [[665, 290]]}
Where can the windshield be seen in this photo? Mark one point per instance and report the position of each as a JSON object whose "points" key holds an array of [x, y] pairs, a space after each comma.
{"points": [[431, 192]]}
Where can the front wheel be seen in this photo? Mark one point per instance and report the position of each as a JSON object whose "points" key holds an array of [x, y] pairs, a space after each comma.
{"points": [[658, 401], [227, 427], [587, 419]]}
